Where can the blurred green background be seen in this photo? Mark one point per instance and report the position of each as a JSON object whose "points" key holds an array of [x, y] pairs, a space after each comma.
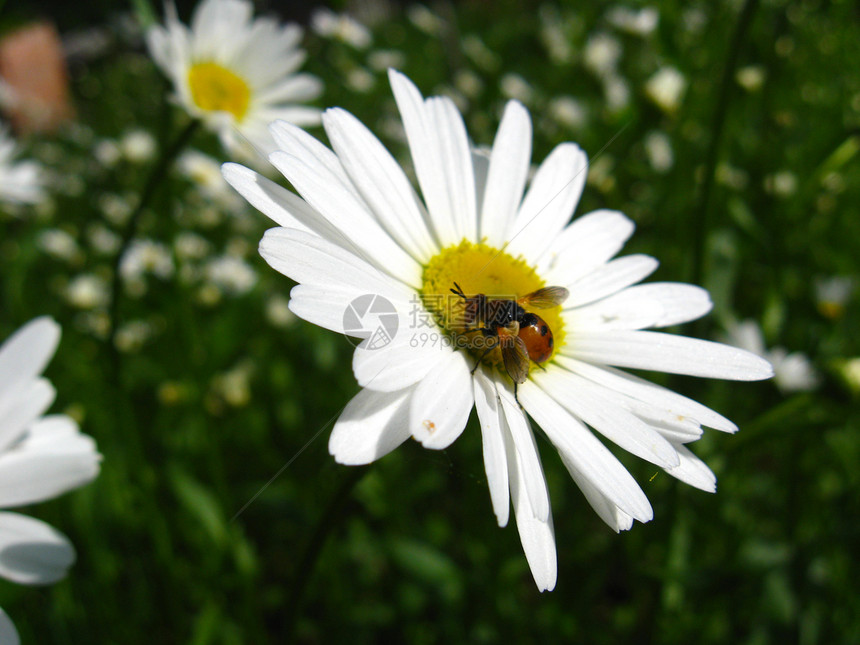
{"points": [[747, 182]]}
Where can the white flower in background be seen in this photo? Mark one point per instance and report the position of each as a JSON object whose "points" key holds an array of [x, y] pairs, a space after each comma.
{"points": [[617, 92], [41, 457], [21, 182], [235, 73], [231, 275], [566, 110], [328, 24], [424, 19], [832, 294], [102, 239], [666, 88], [514, 86], [601, 55], [146, 256], [751, 77], [205, 173], [87, 291], [361, 228], [792, 372], [138, 146], [640, 23], [278, 312], [782, 183], [59, 244], [191, 246], [107, 152], [658, 148]]}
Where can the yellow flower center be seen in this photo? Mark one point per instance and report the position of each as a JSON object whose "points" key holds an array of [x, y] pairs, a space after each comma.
{"points": [[216, 89], [480, 269]]}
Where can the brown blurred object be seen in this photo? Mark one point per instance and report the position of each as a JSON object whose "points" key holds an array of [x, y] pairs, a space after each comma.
{"points": [[34, 82]]}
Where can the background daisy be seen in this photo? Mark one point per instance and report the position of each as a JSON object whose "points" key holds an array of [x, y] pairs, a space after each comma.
{"points": [[234, 72]]}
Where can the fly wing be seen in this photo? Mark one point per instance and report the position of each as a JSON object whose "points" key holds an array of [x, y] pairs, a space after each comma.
{"points": [[515, 356], [545, 298]]}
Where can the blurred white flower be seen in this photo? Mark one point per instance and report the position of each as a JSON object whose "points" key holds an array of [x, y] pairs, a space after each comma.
{"points": [[731, 176], [138, 146], [658, 148], [832, 293], [107, 152], [666, 88], [231, 274], [116, 208], [328, 24], [424, 19], [751, 77], [381, 59], [87, 291], [235, 73], [640, 23], [478, 52], [278, 311], [469, 83], [792, 372], [102, 239], [558, 44], [59, 244], [567, 111], [514, 86], [205, 173], [131, 336], [617, 92], [41, 457], [601, 54], [360, 80], [21, 182], [782, 183], [146, 256], [191, 246]]}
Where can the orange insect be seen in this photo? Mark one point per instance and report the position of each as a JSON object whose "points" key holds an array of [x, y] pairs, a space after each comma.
{"points": [[522, 335]]}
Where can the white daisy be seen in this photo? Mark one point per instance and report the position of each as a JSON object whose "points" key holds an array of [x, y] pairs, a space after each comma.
{"points": [[361, 228], [235, 73], [41, 457], [21, 182]]}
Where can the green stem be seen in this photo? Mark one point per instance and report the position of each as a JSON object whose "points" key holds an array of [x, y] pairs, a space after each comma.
{"points": [[700, 223], [156, 177], [331, 517]]}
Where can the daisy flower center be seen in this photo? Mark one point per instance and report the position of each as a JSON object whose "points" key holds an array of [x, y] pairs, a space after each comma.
{"points": [[216, 89], [480, 269]]}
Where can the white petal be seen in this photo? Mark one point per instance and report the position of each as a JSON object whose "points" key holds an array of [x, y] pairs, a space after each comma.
{"points": [[658, 304], [30, 474], [506, 177], [296, 88], [25, 353], [693, 471], [537, 536], [404, 361], [528, 457], [548, 205], [609, 278], [310, 259], [455, 158], [617, 519], [31, 552], [649, 350], [442, 403], [587, 243], [442, 159], [20, 405], [8, 633], [371, 425], [493, 429], [339, 205], [325, 306], [381, 182], [295, 141], [649, 393], [274, 201], [585, 452], [583, 399]]}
